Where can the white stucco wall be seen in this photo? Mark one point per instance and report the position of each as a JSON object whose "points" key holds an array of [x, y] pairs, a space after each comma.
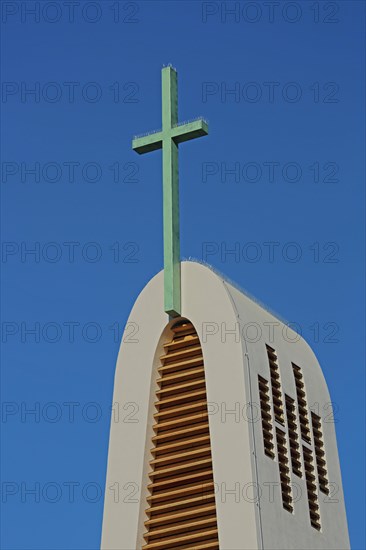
{"points": [[281, 529], [232, 362]]}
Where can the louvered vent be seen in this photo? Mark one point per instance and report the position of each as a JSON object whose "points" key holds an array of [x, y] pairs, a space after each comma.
{"points": [[311, 488], [284, 470], [319, 453], [276, 386], [293, 436], [267, 427], [301, 402], [182, 510]]}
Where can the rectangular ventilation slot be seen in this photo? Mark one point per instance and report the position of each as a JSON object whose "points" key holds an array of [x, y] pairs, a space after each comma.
{"points": [[182, 509], [276, 386], [301, 403], [284, 470], [320, 453], [311, 488], [267, 428], [293, 436]]}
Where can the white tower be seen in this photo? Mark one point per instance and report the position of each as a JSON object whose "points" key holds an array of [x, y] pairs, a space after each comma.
{"points": [[225, 442]]}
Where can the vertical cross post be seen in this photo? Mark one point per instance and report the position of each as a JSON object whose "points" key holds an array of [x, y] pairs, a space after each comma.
{"points": [[172, 282], [168, 139]]}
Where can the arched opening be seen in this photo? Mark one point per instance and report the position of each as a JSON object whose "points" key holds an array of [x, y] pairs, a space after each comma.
{"points": [[181, 508]]}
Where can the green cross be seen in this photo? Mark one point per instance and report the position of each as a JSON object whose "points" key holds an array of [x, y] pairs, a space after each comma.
{"points": [[168, 139]]}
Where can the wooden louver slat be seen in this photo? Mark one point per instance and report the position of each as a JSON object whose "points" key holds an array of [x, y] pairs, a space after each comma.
{"points": [[182, 509], [320, 453], [311, 488], [301, 402], [276, 385], [267, 428], [293, 437], [284, 470]]}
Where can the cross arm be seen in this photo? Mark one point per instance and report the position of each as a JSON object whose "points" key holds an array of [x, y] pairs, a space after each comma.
{"points": [[148, 143], [190, 130]]}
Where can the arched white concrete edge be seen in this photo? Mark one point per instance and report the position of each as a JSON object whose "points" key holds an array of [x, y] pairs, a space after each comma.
{"points": [[277, 333], [133, 390], [209, 306], [204, 300]]}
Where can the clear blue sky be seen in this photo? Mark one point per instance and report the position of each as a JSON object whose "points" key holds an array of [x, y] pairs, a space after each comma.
{"points": [[92, 211]]}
